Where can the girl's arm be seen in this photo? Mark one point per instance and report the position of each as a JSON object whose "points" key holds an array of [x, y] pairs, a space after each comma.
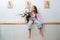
{"points": [[40, 18]]}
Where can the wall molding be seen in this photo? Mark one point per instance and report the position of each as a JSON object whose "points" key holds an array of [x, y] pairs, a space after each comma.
{"points": [[14, 23]]}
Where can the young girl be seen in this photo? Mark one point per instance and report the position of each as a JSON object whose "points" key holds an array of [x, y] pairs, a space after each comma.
{"points": [[34, 18]]}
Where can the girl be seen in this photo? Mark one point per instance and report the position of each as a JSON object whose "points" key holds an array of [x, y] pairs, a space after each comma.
{"points": [[34, 18]]}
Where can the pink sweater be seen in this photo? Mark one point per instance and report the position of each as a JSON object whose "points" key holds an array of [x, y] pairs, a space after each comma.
{"points": [[36, 17], [33, 16]]}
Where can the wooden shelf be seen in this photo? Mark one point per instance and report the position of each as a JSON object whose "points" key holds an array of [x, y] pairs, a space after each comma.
{"points": [[14, 23]]}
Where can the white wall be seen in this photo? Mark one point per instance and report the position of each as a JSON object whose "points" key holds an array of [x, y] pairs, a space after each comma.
{"points": [[51, 14], [20, 32], [11, 15], [52, 32]]}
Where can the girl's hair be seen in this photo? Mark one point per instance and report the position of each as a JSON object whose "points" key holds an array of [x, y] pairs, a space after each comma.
{"points": [[36, 11]]}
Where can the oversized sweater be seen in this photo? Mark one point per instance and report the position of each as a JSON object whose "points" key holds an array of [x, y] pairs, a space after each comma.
{"points": [[36, 17]]}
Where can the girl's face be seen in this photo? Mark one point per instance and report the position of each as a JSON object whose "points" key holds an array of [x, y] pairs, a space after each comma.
{"points": [[32, 8]]}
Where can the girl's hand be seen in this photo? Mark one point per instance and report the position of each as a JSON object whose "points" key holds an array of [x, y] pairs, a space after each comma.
{"points": [[42, 24]]}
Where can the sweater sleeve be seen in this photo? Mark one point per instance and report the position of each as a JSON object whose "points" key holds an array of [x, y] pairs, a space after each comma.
{"points": [[40, 18]]}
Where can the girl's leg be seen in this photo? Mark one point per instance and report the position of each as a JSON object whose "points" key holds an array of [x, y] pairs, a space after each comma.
{"points": [[39, 25], [29, 33], [30, 27], [41, 32]]}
